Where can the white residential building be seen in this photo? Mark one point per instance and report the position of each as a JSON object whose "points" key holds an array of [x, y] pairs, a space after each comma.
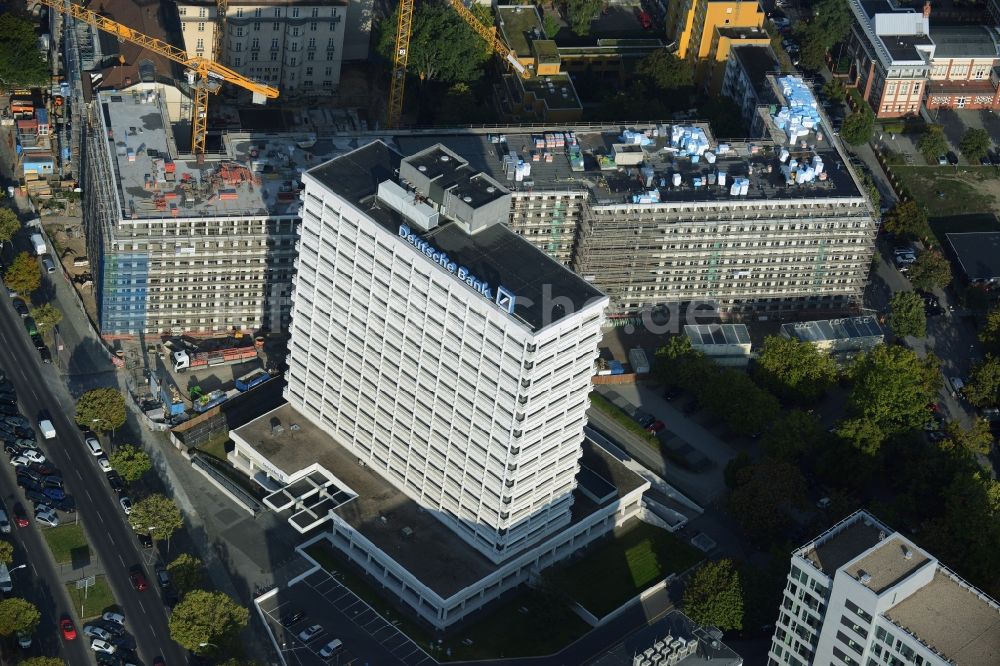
{"points": [[442, 349], [295, 45], [861, 594]]}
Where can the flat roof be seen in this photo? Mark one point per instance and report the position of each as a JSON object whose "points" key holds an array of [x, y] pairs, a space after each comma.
{"points": [[847, 328], [495, 254], [557, 90], [953, 618], [485, 152], [887, 564], [844, 542], [717, 334], [964, 41], [978, 252], [743, 32], [517, 24], [263, 170], [757, 61], [431, 551], [903, 48]]}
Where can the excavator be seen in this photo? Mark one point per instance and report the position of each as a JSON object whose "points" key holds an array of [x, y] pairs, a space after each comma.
{"points": [[207, 74], [404, 29]]}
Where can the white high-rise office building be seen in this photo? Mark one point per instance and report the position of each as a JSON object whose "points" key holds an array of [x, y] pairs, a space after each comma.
{"points": [[861, 594], [442, 349]]}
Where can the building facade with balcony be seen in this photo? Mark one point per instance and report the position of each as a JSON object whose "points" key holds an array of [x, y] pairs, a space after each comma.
{"points": [[861, 593]]}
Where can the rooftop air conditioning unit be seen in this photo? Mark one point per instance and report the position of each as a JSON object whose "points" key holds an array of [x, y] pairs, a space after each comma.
{"points": [[864, 577]]}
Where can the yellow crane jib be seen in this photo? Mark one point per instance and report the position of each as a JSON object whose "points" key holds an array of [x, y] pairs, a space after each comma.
{"points": [[209, 74]]}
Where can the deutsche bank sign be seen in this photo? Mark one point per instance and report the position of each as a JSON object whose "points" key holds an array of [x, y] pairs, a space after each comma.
{"points": [[503, 298]]}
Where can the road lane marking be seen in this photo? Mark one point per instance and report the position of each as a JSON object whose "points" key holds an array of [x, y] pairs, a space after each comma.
{"points": [[89, 496], [78, 475], [100, 518], [121, 559]]}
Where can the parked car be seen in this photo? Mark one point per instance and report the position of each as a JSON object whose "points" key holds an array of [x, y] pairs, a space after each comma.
{"points": [[331, 648], [145, 540], [4, 522], [47, 518], [126, 505], [116, 618], [19, 461], [66, 504], [162, 578], [98, 645], [55, 494], [20, 307], [942, 160], [45, 355], [104, 464], [94, 631], [116, 483], [28, 483], [38, 341], [655, 427], [94, 446], [952, 158], [310, 633], [37, 497], [33, 455], [291, 617]]}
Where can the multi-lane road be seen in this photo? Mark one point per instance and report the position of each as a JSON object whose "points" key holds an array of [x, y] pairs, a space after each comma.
{"points": [[112, 542]]}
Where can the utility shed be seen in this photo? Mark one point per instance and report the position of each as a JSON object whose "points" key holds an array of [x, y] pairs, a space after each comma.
{"points": [[726, 344], [850, 334]]}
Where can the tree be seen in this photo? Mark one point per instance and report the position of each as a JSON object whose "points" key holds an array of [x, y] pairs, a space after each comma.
{"points": [[131, 462], [724, 116], [977, 439], [906, 314], [551, 25], [9, 225], [46, 316], [460, 56], [892, 387], [813, 54], [101, 409], [763, 496], [872, 189], [581, 14], [933, 143], [983, 387], [731, 472], [731, 396], [16, 615], [795, 371], [714, 596], [931, 269], [22, 65], [158, 515], [908, 220], [206, 617], [665, 70], [6, 552], [24, 274], [792, 436], [857, 128], [989, 335], [975, 143], [43, 661], [864, 435], [678, 364], [831, 21], [835, 91], [187, 572]]}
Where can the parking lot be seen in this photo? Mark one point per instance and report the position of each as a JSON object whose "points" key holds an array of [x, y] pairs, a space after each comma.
{"points": [[342, 615]]}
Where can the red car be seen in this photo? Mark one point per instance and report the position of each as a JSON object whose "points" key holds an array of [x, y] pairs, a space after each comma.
{"points": [[655, 427], [20, 515], [139, 581], [68, 630]]}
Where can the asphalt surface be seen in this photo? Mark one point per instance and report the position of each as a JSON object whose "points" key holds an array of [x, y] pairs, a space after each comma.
{"points": [[39, 582], [112, 541]]}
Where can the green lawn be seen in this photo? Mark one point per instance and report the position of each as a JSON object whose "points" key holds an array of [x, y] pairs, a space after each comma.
{"points": [[943, 191], [97, 597], [216, 447], [623, 419], [616, 570], [503, 631], [67, 542]]}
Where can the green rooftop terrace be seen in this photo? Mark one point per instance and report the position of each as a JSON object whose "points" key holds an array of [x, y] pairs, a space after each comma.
{"points": [[518, 23]]}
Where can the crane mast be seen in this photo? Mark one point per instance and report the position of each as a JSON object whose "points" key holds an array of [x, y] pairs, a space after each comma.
{"points": [[404, 31], [209, 74]]}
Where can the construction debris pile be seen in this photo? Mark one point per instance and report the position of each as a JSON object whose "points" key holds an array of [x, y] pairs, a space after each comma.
{"points": [[801, 116]]}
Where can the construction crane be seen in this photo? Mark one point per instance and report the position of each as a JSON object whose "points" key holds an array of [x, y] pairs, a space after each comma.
{"points": [[221, 7], [208, 75], [404, 29]]}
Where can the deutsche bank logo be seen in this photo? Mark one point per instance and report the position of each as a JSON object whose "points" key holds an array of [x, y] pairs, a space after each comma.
{"points": [[505, 300]]}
